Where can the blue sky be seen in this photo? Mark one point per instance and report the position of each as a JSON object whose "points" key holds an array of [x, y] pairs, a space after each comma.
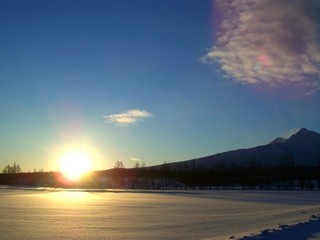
{"points": [[157, 81]]}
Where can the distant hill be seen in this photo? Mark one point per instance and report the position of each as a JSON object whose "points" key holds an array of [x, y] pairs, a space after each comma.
{"points": [[302, 147]]}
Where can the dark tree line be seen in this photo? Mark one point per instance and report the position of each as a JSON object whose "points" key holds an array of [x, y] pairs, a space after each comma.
{"points": [[286, 175], [252, 174]]}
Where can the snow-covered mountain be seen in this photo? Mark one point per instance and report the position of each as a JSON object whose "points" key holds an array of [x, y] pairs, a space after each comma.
{"points": [[303, 148]]}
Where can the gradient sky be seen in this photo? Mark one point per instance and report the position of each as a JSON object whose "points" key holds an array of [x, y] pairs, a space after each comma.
{"points": [[154, 81]]}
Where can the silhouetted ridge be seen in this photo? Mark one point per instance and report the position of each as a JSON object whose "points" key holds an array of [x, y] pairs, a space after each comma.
{"points": [[278, 140], [302, 147], [306, 134]]}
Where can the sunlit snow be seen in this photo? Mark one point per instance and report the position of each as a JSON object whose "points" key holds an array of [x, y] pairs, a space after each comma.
{"points": [[73, 214]]}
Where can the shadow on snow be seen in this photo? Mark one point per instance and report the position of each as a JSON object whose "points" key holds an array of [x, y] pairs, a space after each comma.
{"points": [[301, 231]]}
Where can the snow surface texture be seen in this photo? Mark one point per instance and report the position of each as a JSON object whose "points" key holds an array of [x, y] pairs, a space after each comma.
{"points": [[60, 214], [307, 230]]}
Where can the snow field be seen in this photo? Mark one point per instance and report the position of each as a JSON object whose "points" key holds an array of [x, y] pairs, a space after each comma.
{"points": [[29, 214]]}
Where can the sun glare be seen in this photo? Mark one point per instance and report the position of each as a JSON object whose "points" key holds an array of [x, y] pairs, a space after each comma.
{"points": [[75, 164]]}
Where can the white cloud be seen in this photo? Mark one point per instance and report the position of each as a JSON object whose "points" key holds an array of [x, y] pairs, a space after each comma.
{"points": [[268, 42], [128, 118]]}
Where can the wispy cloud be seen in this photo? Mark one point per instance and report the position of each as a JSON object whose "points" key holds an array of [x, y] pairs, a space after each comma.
{"points": [[126, 119], [269, 42]]}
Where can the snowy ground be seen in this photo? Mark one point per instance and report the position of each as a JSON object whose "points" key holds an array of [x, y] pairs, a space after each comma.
{"points": [[48, 214]]}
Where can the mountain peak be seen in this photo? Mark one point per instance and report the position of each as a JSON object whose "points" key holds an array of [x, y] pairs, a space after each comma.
{"points": [[304, 132], [278, 140], [304, 137]]}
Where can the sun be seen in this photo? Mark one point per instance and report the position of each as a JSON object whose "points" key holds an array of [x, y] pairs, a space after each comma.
{"points": [[75, 164]]}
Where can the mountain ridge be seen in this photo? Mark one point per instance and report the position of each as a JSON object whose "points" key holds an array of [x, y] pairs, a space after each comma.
{"points": [[303, 148]]}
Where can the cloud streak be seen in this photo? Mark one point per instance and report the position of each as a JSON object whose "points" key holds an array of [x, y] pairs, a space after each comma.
{"points": [[128, 118], [269, 42]]}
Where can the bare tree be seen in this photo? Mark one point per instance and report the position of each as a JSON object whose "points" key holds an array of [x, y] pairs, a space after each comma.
{"points": [[15, 168], [137, 165], [118, 164]]}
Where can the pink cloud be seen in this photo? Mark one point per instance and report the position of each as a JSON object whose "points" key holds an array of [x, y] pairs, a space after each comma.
{"points": [[268, 42]]}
